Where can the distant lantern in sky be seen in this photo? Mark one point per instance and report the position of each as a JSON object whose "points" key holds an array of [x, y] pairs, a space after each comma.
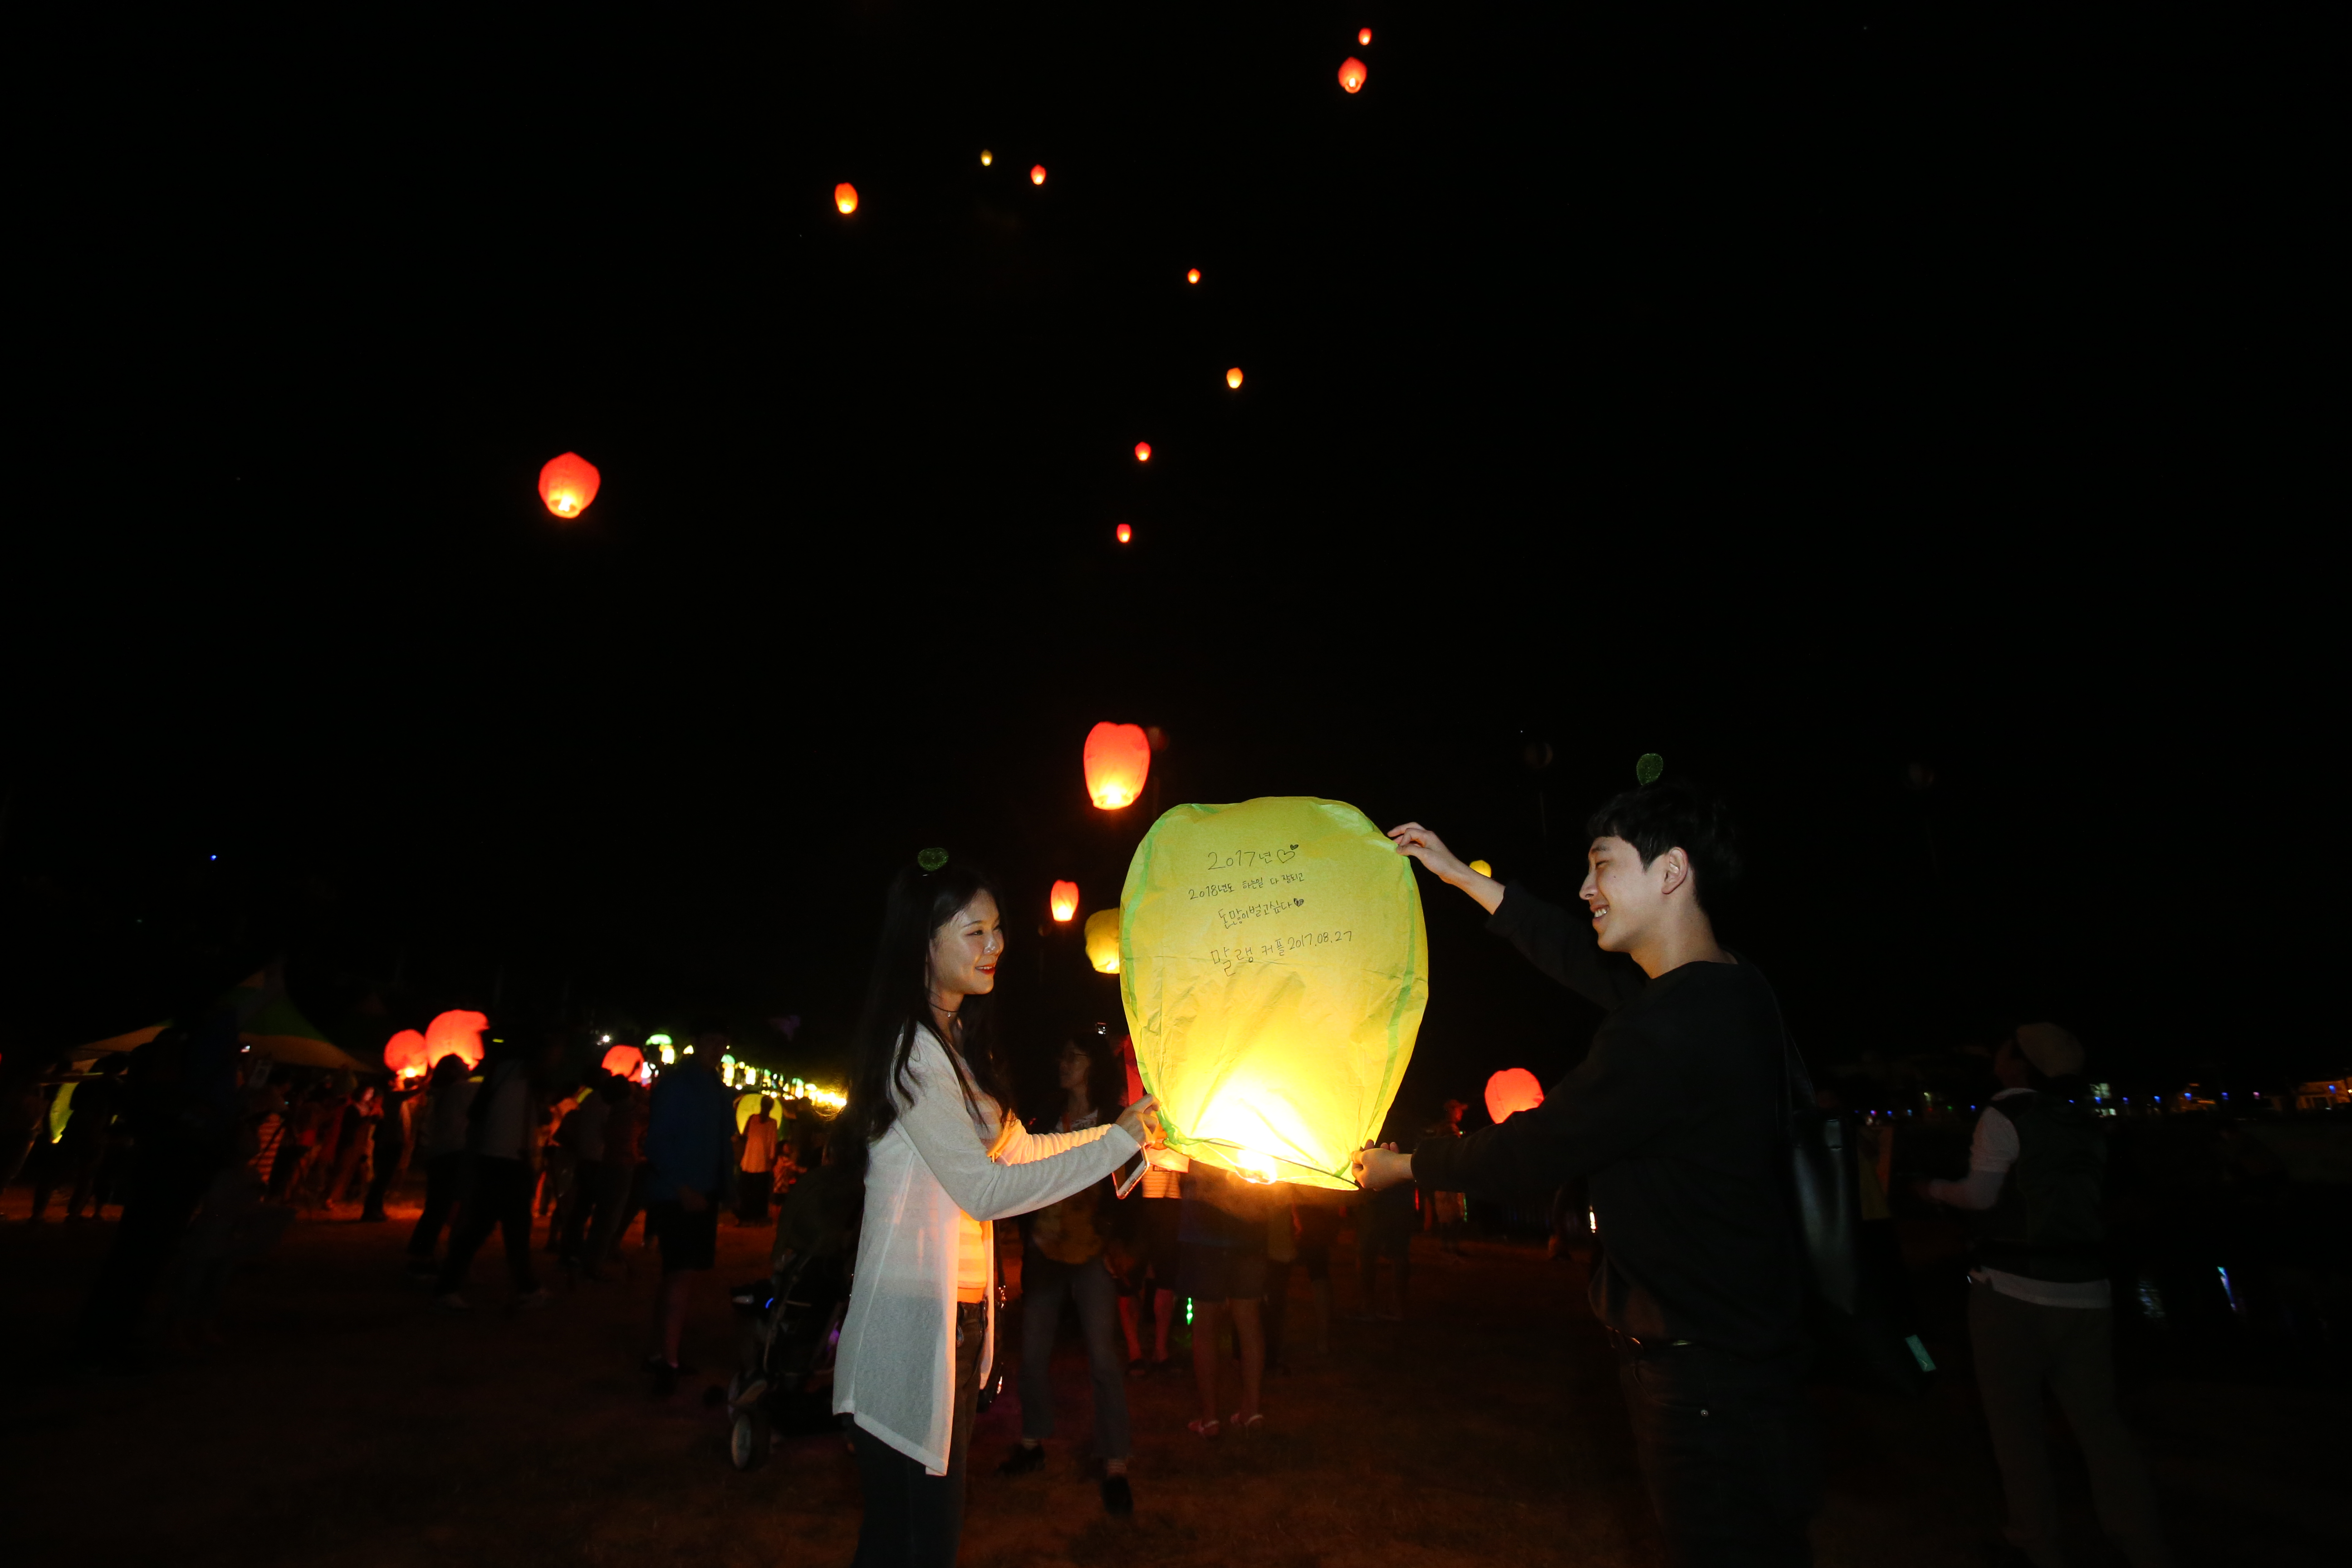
{"points": [[1125, 534], [1143, 451], [844, 195], [986, 157], [1234, 378], [1194, 275], [567, 484], [1352, 75], [1065, 901], [1037, 173], [1510, 1090], [1363, 34], [1118, 760], [457, 1033], [1102, 941]]}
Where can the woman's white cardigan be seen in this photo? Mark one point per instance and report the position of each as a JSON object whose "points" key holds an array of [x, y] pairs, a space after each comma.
{"points": [[895, 1369]]}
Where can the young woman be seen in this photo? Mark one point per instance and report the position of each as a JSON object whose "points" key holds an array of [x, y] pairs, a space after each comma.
{"points": [[1064, 1257], [942, 1161]]}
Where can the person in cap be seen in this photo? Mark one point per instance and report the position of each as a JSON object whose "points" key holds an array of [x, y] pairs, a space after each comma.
{"points": [[2039, 1308]]}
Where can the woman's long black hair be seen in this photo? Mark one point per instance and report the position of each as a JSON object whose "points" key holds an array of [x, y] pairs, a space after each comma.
{"points": [[1106, 1072], [898, 998]]}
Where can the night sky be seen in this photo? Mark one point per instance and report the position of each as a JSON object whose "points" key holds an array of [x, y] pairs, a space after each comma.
{"points": [[1903, 428]]}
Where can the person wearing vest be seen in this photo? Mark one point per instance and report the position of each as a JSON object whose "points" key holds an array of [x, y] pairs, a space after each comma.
{"points": [[2039, 1311]]}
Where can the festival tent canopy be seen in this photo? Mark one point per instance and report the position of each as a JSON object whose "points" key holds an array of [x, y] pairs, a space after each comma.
{"points": [[277, 1029]]}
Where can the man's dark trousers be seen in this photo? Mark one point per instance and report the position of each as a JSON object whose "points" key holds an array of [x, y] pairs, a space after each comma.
{"points": [[1726, 1448]]}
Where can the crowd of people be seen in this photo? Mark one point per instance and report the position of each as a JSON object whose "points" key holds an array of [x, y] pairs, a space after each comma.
{"points": [[1674, 1127]]}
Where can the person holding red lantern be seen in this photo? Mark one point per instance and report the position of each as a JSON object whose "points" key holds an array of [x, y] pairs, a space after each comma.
{"points": [[1675, 1119]]}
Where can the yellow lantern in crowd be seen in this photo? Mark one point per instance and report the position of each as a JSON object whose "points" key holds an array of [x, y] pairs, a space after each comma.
{"points": [[1065, 901], [1273, 967], [1102, 941], [1117, 761]]}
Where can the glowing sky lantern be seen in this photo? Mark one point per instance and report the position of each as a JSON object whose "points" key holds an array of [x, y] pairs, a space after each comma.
{"points": [[1194, 275], [1274, 967], [1037, 173], [1363, 34], [1352, 75], [844, 196], [986, 157], [567, 484], [1125, 534], [1512, 1089], [1102, 941], [625, 1061], [456, 1034], [1234, 378], [1065, 901], [1118, 758], [404, 1055], [1143, 451]]}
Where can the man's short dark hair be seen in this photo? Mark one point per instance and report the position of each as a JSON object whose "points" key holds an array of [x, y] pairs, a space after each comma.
{"points": [[1662, 816]]}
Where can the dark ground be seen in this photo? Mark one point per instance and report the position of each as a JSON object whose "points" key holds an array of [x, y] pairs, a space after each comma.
{"points": [[346, 1420]]}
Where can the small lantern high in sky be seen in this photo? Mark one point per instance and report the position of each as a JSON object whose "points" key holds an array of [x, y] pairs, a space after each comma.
{"points": [[1125, 534], [1102, 941], [1194, 275], [1363, 34], [567, 484], [1352, 75], [1143, 451], [986, 157], [1118, 758], [1512, 1091], [1234, 378], [844, 196], [1065, 901], [1037, 173]]}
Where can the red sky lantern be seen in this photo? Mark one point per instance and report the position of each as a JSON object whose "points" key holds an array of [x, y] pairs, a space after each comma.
{"points": [[1037, 173], [404, 1055], [1352, 75], [1194, 275], [567, 484], [1234, 378], [625, 1061], [1125, 534], [1118, 758], [1064, 899], [1512, 1089], [1143, 451], [456, 1034], [844, 196], [1363, 34]]}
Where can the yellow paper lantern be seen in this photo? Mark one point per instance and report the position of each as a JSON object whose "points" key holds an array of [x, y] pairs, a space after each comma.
{"points": [[986, 157], [1274, 965], [1482, 867], [1234, 378], [1102, 941], [1063, 899]]}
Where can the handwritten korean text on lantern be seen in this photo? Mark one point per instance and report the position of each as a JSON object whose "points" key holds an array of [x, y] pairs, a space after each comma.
{"points": [[567, 484], [1352, 75], [1511, 1091], [844, 196], [1234, 378], [1118, 759], [1065, 901], [1037, 174]]}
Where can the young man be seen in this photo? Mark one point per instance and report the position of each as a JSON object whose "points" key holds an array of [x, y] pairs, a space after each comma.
{"points": [[689, 1156], [2038, 1298], [1676, 1122]]}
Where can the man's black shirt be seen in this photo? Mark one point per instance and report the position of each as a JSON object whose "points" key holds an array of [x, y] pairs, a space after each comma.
{"points": [[1675, 1118]]}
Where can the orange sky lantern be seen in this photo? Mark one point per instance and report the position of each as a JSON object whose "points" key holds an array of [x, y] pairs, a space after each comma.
{"points": [[1065, 901], [844, 196], [1363, 34], [986, 157], [1512, 1089], [625, 1061], [1143, 451], [1352, 75], [1037, 173], [1234, 378], [456, 1034], [1125, 534], [404, 1055], [1194, 275], [567, 484], [1118, 758]]}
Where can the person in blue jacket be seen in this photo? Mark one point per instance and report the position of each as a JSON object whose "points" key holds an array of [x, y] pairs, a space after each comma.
{"points": [[689, 1159]]}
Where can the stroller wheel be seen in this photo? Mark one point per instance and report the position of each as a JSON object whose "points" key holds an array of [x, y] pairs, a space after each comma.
{"points": [[747, 1445]]}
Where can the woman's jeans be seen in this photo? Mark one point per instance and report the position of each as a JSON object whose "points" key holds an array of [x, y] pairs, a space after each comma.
{"points": [[915, 1519], [1089, 1286]]}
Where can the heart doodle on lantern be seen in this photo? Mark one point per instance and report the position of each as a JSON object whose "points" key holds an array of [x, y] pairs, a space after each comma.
{"points": [[1298, 900]]}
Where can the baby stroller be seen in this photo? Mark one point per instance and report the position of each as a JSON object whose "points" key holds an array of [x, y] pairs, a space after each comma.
{"points": [[792, 1320]]}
